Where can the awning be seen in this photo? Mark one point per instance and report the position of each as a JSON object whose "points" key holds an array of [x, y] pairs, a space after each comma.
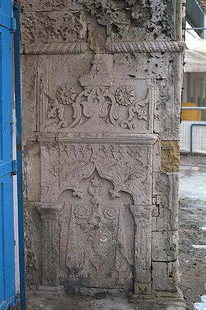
{"points": [[195, 55]]}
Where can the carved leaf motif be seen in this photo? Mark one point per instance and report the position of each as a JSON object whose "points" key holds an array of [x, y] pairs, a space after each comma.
{"points": [[136, 110]]}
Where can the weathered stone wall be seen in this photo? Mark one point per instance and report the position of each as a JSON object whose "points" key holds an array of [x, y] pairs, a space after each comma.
{"points": [[101, 102]]}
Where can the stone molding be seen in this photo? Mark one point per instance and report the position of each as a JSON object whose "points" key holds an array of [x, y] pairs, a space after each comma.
{"points": [[145, 47], [111, 48], [149, 139], [54, 48]]}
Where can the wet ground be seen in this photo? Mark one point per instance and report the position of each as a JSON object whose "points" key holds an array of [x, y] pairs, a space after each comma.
{"points": [[193, 228]]}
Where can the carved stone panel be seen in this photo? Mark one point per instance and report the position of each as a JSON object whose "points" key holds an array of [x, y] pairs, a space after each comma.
{"points": [[128, 167], [99, 184], [104, 102], [99, 242]]}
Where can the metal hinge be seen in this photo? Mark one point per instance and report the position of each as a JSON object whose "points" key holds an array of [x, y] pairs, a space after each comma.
{"points": [[13, 24], [14, 167]]}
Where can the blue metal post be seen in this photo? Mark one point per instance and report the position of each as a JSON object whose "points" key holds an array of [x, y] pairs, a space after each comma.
{"points": [[19, 156]]}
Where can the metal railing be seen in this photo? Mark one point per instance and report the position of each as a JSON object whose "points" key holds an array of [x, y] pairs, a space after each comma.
{"points": [[193, 133]]}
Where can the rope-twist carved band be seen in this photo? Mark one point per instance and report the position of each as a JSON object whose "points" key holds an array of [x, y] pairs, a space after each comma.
{"points": [[118, 47], [144, 47]]}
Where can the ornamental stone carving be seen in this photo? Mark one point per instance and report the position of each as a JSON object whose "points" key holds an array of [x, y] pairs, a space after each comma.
{"points": [[98, 186], [64, 166], [105, 225], [100, 106]]}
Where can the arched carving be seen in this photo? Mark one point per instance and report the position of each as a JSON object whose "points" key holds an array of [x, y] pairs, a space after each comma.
{"points": [[99, 241]]}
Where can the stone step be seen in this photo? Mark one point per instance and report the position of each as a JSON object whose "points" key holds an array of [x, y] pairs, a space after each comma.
{"points": [[203, 298]]}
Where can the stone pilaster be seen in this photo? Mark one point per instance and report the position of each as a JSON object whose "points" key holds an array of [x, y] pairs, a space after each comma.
{"points": [[143, 279], [50, 241]]}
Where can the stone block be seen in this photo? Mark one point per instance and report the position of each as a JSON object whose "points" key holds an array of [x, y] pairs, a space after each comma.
{"points": [[32, 172], [32, 226], [142, 216], [164, 276], [53, 27], [143, 288], [49, 5], [148, 66], [167, 110], [29, 95], [129, 20], [170, 156], [165, 216], [164, 246]]}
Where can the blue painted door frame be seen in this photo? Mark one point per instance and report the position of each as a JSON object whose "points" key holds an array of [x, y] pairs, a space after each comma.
{"points": [[7, 254], [16, 11], [8, 67]]}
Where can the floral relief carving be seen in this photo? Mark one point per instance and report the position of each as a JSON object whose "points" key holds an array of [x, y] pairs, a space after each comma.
{"points": [[137, 110], [65, 96], [101, 105], [101, 223], [98, 184], [125, 95], [127, 167]]}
